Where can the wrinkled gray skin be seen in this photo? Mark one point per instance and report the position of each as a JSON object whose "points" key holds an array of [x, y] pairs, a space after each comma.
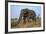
{"points": [[30, 14]]}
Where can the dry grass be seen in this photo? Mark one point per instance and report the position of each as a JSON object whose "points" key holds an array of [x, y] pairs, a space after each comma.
{"points": [[27, 25]]}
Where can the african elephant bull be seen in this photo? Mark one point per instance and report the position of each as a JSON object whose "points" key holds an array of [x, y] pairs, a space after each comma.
{"points": [[27, 14]]}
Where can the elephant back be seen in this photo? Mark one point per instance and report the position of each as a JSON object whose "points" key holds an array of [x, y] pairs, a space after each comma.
{"points": [[32, 14]]}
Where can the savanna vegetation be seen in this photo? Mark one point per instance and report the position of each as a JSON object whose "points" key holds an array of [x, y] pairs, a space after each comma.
{"points": [[31, 24]]}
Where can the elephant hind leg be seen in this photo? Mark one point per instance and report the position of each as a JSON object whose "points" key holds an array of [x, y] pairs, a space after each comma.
{"points": [[34, 19]]}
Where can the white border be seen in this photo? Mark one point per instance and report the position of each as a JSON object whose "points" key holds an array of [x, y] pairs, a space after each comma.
{"points": [[23, 29]]}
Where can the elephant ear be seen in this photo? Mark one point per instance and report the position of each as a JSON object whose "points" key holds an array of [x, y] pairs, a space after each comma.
{"points": [[24, 10]]}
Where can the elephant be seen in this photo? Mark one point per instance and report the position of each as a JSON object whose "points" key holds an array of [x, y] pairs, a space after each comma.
{"points": [[27, 14]]}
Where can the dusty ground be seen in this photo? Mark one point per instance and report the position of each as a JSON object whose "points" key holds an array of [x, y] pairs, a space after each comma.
{"points": [[27, 25]]}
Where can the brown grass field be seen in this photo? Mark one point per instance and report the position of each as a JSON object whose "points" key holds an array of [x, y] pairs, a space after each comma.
{"points": [[30, 24]]}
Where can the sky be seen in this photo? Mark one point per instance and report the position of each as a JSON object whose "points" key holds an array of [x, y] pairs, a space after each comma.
{"points": [[16, 10]]}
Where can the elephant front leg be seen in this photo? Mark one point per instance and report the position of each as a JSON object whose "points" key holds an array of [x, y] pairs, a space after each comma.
{"points": [[24, 20], [29, 19]]}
